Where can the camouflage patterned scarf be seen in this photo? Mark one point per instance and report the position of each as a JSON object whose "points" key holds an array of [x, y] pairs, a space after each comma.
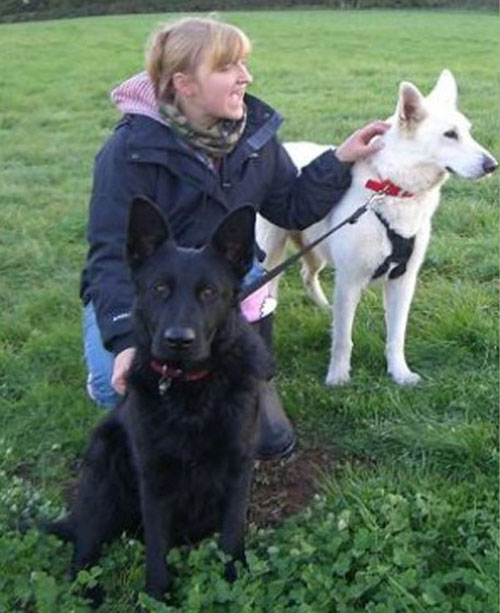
{"points": [[216, 141]]}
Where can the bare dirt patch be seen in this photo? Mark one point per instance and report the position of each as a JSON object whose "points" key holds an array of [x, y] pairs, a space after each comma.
{"points": [[284, 487]]}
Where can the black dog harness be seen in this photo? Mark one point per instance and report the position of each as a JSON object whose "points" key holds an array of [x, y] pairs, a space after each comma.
{"points": [[402, 248]]}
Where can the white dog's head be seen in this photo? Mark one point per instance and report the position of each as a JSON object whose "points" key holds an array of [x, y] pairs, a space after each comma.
{"points": [[430, 132]]}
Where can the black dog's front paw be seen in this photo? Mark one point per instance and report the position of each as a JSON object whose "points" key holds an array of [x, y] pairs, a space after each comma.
{"points": [[157, 588], [95, 594], [230, 572]]}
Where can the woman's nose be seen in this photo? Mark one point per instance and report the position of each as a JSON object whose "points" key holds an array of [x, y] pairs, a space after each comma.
{"points": [[245, 76]]}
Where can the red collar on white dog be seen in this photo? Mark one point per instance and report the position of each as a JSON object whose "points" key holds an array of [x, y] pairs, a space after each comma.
{"points": [[387, 187]]}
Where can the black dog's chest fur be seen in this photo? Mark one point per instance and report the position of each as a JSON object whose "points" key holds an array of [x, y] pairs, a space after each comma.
{"points": [[190, 443]]}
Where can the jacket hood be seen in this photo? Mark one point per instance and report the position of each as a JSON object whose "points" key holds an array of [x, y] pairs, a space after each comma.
{"points": [[136, 96]]}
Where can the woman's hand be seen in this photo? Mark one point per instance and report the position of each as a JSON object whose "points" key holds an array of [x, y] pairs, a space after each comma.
{"points": [[121, 367], [360, 144]]}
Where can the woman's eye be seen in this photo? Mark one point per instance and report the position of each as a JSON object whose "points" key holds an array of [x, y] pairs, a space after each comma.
{"points": [[451, 134], [206, 293], [161, 289]]}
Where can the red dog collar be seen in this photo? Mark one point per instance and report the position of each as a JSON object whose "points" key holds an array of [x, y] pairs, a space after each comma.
{"points": [[170, 372], [387, 187]]}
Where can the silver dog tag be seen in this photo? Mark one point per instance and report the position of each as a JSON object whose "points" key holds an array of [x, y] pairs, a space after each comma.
{"points": [[164, 384]]}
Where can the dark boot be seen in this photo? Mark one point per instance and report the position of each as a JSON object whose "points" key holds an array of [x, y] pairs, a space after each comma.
{"points": [[277, 438]]}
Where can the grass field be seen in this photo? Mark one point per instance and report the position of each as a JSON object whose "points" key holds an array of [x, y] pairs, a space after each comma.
{"points": [[407, 518]]}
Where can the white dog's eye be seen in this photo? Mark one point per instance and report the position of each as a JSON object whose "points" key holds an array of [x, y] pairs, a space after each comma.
{"points": [[451, 134]]}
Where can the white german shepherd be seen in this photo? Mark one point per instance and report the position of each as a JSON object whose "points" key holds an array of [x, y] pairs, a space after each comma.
{"points": [[428, 139]]}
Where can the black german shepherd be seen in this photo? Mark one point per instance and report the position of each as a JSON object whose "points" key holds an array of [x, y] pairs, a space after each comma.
{"points": [[175, 459]]}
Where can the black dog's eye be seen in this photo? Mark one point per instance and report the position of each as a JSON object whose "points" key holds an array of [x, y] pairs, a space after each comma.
{"points": [[207, 292], [161, 288], [451, 134]]}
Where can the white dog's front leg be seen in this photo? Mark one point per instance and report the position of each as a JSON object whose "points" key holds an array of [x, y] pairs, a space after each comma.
{"points": [[398, 294], [346, 300]]}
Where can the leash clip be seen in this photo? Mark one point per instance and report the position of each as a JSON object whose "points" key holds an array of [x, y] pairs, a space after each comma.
{"points": [[377, 198]]}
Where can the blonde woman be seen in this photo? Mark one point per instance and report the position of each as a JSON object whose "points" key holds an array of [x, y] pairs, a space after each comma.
{"points": [[193, 140]]}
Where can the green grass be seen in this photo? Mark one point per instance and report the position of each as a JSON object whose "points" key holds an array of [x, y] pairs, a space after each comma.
{"points": [[407, 519]]}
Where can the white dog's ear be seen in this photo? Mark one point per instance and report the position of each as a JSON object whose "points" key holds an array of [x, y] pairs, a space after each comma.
{"points": [[445, 90], [410, 109]]}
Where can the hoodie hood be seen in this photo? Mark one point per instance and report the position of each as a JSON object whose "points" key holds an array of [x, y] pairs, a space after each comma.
{"points": [[136, 95]]}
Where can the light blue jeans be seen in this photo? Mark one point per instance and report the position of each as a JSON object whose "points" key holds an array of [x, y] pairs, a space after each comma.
{"points": [[99, 360]]}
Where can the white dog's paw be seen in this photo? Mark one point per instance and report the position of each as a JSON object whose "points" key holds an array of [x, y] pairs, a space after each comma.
{"points": [[337, 376], [315, 292], [406, 377], [321, 302]]}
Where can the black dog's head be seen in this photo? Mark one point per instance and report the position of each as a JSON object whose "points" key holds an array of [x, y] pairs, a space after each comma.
{"points": [[185, 296]]}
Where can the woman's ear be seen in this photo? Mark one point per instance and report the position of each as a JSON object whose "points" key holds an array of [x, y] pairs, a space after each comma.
{"points": [[183, 84]]}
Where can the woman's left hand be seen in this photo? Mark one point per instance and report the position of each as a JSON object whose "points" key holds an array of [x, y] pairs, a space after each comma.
{"points": [[360, 144]]}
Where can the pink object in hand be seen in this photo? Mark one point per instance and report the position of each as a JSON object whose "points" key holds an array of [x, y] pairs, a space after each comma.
{"points": [[258, 305]]}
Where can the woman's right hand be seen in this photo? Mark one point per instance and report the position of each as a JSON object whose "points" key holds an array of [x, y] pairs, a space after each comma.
{"points": [[121, 367], [360, 144]]}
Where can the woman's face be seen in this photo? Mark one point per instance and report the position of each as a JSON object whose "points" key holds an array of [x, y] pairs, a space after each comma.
{"points": [[217, 94]]}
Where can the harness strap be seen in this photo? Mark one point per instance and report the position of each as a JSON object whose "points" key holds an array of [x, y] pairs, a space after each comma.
{"points": [[402, 248]]}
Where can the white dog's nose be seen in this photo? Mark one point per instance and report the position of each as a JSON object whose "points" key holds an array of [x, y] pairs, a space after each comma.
{"points": [[489, 164]]}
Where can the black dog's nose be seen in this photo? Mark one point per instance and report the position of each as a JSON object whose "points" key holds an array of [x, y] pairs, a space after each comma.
{"points": [[489, 164], [179, 338]]}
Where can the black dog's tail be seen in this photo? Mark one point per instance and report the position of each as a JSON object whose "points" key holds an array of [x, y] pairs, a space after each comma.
{"points": [[62, 528]]}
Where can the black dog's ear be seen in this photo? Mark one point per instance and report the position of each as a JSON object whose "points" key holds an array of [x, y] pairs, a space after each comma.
{"points": [[235, 239], [147, 230]]}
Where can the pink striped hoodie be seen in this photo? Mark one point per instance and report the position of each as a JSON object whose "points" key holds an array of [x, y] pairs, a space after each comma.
{"points": [[136, 95]]}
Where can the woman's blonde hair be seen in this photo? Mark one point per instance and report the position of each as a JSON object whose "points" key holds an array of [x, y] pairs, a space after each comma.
{"points": [[182, 45]]}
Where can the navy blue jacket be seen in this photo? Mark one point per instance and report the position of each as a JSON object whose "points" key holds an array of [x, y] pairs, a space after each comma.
{"points": [[144, 157]]}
